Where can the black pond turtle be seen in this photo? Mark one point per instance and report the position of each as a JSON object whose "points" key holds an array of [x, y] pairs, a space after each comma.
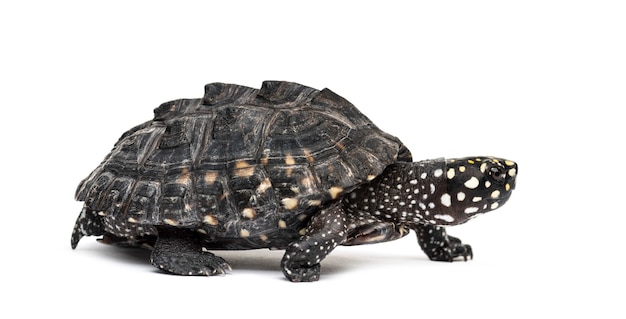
{"points": [[281, 167]]}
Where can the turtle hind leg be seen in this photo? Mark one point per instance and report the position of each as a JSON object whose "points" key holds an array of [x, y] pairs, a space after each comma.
{"points": [[327, 229], [180, 252], [438, 246], [88, 223]]}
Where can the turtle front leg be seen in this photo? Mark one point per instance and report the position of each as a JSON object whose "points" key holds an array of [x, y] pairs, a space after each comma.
{"points": [[180, 252], [327, 229], [438, 246]]}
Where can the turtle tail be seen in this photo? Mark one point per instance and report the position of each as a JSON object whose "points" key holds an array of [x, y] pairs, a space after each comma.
{"points": [[87, 224]]}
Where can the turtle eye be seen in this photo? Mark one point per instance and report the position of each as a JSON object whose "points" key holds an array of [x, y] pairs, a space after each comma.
{"points": [[498, 173]]}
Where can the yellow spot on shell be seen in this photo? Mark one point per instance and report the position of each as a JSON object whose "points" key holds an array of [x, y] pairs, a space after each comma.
{"points": [[461, 169], [495, 194], [248, 212], [483, 168], [507, 186], [244, 233], [335, 191], [264, 185], [371, 177], [302, 232], [263, 237], [307, 183], [470, 161], [289, 160], [210, 177], [170, 222], [290, 203], [309, 157], [509, 163], [315, 202], [243, 169], [132, 220], [184, 179], [282, 224], [211, 220]]}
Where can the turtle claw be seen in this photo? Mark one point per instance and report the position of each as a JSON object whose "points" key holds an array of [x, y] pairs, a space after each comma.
{"points": [[461, 251]]}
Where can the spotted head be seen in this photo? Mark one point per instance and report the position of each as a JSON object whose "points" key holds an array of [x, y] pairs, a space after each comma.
{"points": [[476, 185]]}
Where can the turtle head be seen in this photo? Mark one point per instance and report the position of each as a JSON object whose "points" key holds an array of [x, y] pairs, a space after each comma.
{"points": [[476, 185]]}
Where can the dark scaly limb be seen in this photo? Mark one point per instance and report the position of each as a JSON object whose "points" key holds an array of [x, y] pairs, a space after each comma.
{"points": [[88, 223], [438, 246], [180, 251], [302, 258]]}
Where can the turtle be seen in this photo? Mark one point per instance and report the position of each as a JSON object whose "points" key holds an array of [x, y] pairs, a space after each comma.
{"points": [[284, 167]]}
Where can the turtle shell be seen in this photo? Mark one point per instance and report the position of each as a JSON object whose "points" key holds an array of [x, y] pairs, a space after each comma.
{"points": [[239, 162]]}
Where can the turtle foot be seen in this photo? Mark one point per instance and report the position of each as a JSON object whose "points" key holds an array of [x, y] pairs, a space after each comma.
{"points": [[88, 223], [298, 265], [438, 246], [179, 252]]}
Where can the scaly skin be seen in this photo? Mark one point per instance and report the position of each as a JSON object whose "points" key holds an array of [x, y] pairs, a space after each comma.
{"points": [[425, 196]]}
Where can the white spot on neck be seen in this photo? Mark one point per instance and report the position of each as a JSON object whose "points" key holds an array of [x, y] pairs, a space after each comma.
{"points": [[438, 172], [445, 200], [446, 218], [460, 196]]}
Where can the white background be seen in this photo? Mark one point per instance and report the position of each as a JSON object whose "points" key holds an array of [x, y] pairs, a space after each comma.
{"points": [[539, 82]]}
